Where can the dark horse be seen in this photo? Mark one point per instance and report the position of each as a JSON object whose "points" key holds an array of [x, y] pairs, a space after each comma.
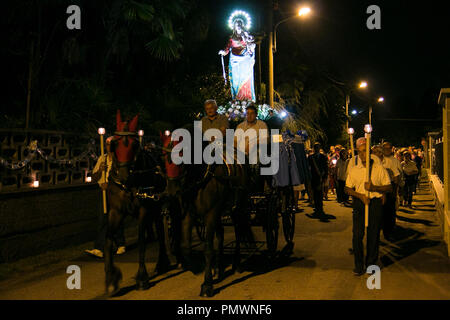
{"points": [[134, 184], [210, 191]]}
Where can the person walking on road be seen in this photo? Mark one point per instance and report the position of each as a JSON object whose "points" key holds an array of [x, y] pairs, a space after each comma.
{"points": [[341, 174], [393, 167], [104, 163], [318, 163], [356, 187], [410, 169]]}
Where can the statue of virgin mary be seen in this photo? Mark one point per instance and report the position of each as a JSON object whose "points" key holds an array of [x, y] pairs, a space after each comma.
{"points": [[241, 48]]}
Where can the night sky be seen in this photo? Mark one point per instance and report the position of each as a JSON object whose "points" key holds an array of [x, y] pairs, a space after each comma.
{"points": [[406, 61]]}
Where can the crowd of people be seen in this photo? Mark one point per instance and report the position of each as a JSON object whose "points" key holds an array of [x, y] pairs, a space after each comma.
{"points": [[314, 174], [404, 166], [394, 177]]}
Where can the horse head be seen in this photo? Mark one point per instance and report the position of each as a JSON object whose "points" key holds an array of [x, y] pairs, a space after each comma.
{"points": [[125, 145]]}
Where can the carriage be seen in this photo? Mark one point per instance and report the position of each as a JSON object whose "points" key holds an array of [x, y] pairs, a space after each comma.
{"points": [[267, 208], [255, 200]]}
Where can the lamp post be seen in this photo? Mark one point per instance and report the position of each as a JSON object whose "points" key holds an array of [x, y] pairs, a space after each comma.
{"points": [[101, 132], [367, 130], [273, 44], [361, 85]]}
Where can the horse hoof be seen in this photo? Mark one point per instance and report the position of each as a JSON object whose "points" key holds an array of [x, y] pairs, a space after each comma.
{"points": [[237, 268], [288, 249], [113, 280], [207, 290], [220, 273], [163, 267], [142, 285]]}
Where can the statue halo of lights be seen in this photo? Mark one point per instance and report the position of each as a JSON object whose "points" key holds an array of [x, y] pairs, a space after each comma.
{"points": [[240, 14]]}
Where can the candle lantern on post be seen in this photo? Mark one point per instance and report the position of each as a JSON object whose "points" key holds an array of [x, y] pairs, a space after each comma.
{"points": [[101, 132], [367, 130]]}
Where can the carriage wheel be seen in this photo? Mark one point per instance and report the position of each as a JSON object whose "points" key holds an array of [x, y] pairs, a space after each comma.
{"points": [[201, 231], [272, 224]]}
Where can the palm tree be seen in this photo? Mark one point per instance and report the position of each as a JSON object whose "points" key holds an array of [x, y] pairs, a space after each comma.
{"points": [[316, 101]]}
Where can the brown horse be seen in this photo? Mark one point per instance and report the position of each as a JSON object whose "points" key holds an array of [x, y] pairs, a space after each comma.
{"points": [[133, 170], [210, 191]]}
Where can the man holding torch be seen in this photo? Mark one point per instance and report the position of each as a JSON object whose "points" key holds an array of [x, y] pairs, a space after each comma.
{"points": [[357, 187], [103, 165]]}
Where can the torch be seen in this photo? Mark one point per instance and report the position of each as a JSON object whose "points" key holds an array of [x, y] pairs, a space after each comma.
{"points": [[350, 132], [141, 134], [367, 130], [101, 132]]}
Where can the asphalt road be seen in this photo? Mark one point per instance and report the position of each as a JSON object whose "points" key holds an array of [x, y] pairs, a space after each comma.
{"points": [[415, 266]]}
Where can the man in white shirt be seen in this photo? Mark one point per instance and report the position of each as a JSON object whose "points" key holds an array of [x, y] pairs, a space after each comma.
{"points": [[251, 123], [356, 186], [393, 167], [104, 163]]}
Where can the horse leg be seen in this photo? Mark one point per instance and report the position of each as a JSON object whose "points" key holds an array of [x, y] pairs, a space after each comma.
{"points": [[113, 273], [176, 224], [236, 265], [142, 275], [219, 261], [186, 240], [163, 264], [210, 221]]}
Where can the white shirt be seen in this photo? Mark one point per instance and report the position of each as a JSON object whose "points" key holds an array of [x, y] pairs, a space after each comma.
{"points": [[357, 177], [245, 126], [108, 166], [390, 164]]}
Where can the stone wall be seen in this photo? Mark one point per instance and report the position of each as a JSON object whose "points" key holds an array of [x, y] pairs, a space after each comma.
{"points": [[34, 222]]}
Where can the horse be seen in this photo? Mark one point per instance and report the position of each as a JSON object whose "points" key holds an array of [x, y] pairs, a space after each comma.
{"points": [[134, 183], [208, 192]]}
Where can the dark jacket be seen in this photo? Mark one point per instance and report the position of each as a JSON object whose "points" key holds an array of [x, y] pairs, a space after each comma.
{"points": [[319, 167]]}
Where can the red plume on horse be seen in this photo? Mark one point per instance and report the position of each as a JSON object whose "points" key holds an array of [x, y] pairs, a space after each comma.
{"points": [[125, 137], [173, 171], [133, 170]]}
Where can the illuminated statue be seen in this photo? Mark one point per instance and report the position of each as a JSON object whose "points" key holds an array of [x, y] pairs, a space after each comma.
{"points": [[241, 47]]}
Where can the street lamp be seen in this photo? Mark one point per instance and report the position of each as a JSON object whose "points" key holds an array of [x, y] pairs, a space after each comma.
{"points": [[304, 11], [301, 13], [361, 85], [379, 100]]}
